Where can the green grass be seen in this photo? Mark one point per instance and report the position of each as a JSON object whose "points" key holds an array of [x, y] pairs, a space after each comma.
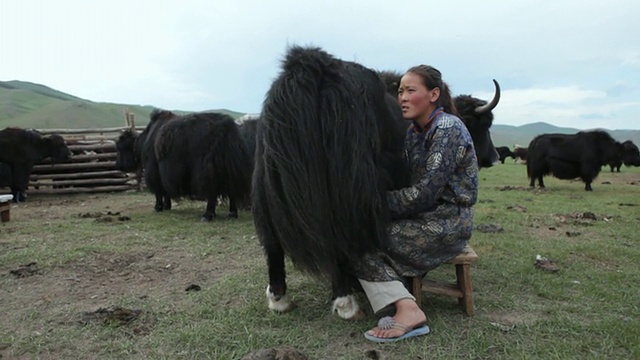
{"points": [[588, 310]]}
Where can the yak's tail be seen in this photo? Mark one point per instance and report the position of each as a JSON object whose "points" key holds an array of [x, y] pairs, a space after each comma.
{"points": [[318, 155]]}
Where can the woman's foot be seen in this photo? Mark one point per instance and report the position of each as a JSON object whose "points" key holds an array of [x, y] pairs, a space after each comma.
{"points": [[408, 316]]}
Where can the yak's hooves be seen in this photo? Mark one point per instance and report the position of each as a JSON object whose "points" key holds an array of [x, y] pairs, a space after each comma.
{"points": [[347, 308], [279, 304]]}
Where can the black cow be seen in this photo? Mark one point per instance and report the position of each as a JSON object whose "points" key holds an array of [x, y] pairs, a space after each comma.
{"points": [[504, 152], [329, 145], [127, 158], [579, 155], [21, 149], [628, 147], [520, 152], [200, 156], [249, 129], [476, 114]]}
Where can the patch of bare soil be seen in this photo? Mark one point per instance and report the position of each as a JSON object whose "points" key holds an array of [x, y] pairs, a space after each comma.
{"points": [[621, 178], [280, 353], [35, 299]]}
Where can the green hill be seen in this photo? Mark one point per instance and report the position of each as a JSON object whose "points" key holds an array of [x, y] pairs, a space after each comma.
{"points": [[507, 135], [29, 105]]}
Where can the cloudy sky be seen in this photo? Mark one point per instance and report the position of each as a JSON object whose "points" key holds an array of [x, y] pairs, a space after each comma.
{"points": [[573, 63]]}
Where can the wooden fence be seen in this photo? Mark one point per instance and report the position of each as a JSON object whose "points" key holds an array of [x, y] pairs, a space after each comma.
{"points": [[92, 168]]}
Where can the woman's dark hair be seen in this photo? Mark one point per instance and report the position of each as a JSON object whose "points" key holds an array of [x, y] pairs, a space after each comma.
{"points": [[432, 78]]}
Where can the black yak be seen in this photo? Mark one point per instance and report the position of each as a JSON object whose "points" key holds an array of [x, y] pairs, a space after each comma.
{"points": [[628, 147], [201, 156], [520, 152], [504, 152], [330, 141], [21, 149], [136, 152], [579, 155], [476, 114], [127, 158]]}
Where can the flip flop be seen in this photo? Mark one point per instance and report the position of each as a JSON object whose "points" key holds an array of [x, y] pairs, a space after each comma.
{"points": [[388, 322]]}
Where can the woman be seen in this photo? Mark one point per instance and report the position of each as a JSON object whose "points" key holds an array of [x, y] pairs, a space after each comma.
{"points": [[432, 218]]}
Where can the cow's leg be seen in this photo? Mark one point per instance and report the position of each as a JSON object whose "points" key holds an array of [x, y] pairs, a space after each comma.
{"points": [[587, 186], [210, 212], [233, 208], [277, 297], [159, 206], [344, 302], [540, 181], [166, 203], [20, 182]]}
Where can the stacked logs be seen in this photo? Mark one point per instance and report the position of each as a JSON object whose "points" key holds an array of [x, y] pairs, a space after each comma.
{"points": [[92, 168]]}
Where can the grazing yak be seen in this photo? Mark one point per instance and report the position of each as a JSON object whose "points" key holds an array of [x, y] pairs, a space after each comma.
{"points": [[627, 147], [504, 152], [200, 155], [476, 114], [328, 148], [20, 150], [520, 152], [579, 155]]}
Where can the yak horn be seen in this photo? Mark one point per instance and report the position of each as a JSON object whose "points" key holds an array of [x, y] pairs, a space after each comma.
{"points": [[492, 104]]}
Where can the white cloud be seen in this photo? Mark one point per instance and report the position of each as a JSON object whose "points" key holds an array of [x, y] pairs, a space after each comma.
{"points": [[565, 59]]}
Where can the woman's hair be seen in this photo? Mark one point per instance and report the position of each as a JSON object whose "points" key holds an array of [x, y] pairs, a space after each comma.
{"points": [[432, 78]]}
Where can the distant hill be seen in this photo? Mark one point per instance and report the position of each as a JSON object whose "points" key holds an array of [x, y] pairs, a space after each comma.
{"points": [[29, 105], [507, 135]]}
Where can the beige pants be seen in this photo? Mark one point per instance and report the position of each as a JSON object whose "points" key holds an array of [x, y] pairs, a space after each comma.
{"points": [[384, 293]]}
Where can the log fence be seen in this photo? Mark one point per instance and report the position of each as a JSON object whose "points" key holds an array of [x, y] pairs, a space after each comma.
{"points": [[92, 167]]}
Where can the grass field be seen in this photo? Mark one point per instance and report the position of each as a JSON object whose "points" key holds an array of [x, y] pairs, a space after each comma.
{"points": [[106, 251]]}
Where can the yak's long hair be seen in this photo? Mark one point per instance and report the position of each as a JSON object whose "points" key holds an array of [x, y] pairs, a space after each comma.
{"points": [[28, 145], [203, 155], [318, 184], [126, 157]]}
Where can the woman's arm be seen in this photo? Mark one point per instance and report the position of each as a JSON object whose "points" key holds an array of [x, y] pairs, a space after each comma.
{"points": [[447, 148]]}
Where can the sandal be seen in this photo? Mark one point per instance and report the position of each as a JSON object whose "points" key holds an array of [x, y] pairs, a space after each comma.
{"points": [[388, 322]]}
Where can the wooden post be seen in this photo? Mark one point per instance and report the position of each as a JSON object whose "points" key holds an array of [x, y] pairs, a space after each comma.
{"points": [[5, 211]]}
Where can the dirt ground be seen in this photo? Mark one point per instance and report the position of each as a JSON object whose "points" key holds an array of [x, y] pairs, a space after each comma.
{"points": [[86, 288]]}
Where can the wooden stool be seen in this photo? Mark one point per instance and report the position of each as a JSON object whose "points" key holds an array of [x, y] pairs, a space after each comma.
{"points": [[461, 288], [5, 211]]}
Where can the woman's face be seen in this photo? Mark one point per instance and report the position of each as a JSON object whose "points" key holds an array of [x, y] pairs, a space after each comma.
{"points": [[416, 100]]}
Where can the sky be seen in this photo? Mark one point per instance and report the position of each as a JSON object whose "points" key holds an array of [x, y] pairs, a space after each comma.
{"points": [[570, 63]]}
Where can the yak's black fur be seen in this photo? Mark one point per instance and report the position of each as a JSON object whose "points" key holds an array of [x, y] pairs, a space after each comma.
{"points": [[625, 155], [21, 149], [204, 156], [144, 155], [520, 152], [573, 156], [504, 152], [127, 158], [325, 137], [478, 126]]}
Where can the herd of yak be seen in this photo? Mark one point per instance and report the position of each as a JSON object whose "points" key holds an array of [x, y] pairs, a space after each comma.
{"points": [[314, 165]]}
